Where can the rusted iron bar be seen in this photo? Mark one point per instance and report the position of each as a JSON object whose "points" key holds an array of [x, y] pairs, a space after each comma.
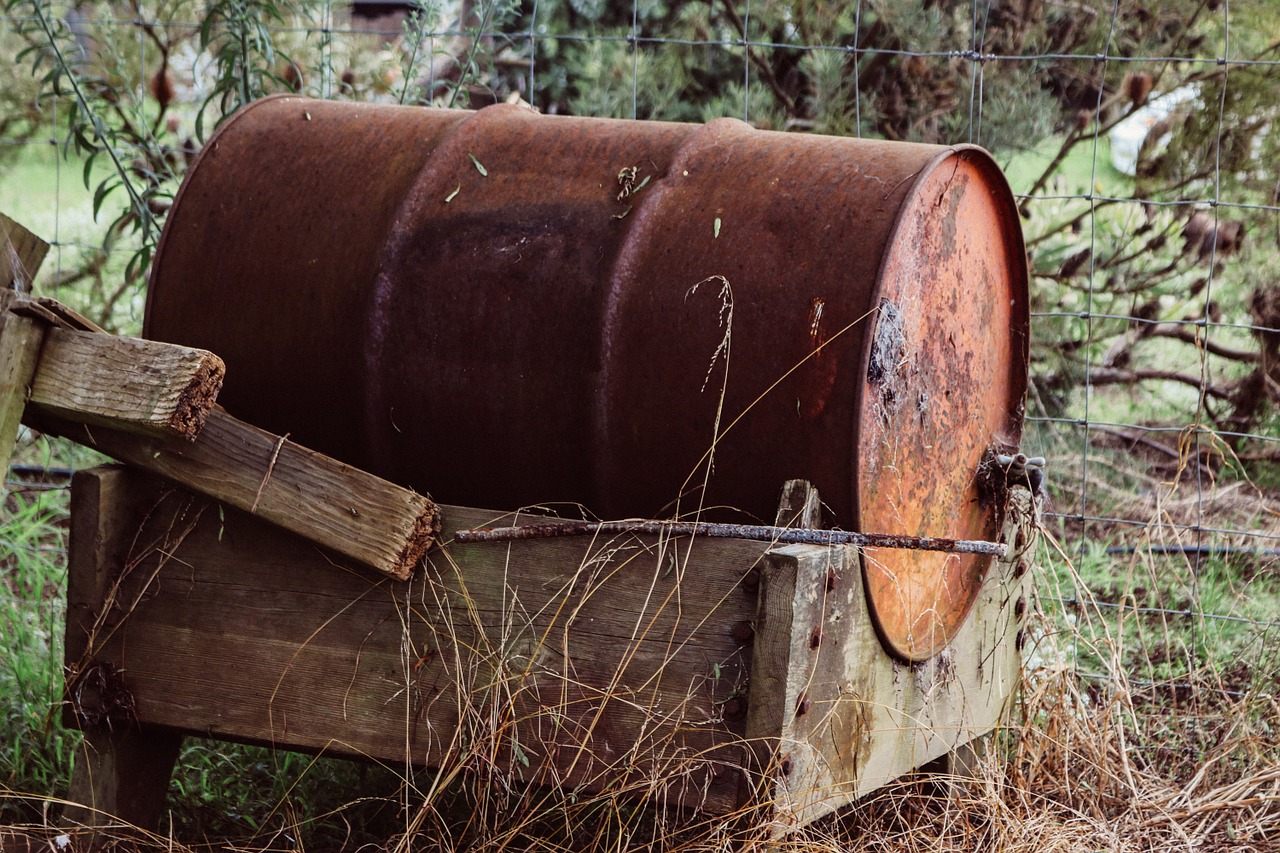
{"points": [[756, 532]]}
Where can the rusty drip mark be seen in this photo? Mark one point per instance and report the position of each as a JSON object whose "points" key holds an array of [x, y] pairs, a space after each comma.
{"points": [[815, 639], [802, 706], [753, 532], [816, 336], [821, 375]]}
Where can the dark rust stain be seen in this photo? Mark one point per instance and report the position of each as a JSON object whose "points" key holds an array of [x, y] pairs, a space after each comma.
{"points": [[743, 633], [751, 581], [815, 638], [802, 705]]}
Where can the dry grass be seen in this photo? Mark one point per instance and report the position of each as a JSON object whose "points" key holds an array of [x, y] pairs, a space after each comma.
{"points": [[1087, 764], [1081, 773]]}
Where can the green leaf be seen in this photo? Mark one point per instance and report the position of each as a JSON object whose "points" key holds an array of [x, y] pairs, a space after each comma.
{"points": [[206, 29], [88, 168], [100, 195]]}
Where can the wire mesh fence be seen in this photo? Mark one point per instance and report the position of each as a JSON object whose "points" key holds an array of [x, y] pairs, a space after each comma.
{"points": [[1136, 137]]}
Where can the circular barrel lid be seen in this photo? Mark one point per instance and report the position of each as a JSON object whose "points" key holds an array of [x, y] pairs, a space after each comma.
{"points": [[945, 382]]}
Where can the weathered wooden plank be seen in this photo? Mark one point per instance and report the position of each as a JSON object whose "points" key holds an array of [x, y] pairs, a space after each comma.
{"points": [[145, 387], [350, 511], [845, 716], [590, 664], [20, 341], [21, 254]]}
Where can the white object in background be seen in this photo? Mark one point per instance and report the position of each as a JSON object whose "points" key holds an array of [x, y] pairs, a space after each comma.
{"points": [[1127, 136]]}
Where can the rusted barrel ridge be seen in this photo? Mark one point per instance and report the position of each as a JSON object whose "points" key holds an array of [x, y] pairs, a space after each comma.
{"points": [[500, 308]]}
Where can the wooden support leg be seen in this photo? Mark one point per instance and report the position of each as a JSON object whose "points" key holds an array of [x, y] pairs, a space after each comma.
{"points": [[121, 773], [967, 761], [959, 774], [120, 778]]}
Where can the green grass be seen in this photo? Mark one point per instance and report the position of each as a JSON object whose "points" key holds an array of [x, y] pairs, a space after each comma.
{"points": [[36, 754], [1077, 173], [1169, 617]]}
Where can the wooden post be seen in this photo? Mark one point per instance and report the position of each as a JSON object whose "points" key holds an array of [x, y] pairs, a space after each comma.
{"points": [[21, 254], [20, 340]]}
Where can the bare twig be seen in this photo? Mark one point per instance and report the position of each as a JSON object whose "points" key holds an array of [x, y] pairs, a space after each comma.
{"points": [[1179, 333], [271, 466], [1117, 376]]}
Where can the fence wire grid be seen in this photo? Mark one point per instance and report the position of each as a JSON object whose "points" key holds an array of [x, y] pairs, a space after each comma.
{"points": [[1137, 140]]}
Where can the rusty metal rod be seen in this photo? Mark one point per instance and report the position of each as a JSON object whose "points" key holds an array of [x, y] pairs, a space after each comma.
{"points": [[756, 532]]}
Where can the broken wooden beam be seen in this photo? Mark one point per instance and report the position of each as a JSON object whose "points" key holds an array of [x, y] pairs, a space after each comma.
{"points": [[344, 509], [128, 384]]}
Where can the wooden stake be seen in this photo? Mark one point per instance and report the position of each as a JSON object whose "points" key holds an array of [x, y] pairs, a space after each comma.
{"points": [[350, 511]]}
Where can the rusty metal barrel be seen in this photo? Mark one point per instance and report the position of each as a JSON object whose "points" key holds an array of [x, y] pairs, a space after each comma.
{"points": [[504, 309]]}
